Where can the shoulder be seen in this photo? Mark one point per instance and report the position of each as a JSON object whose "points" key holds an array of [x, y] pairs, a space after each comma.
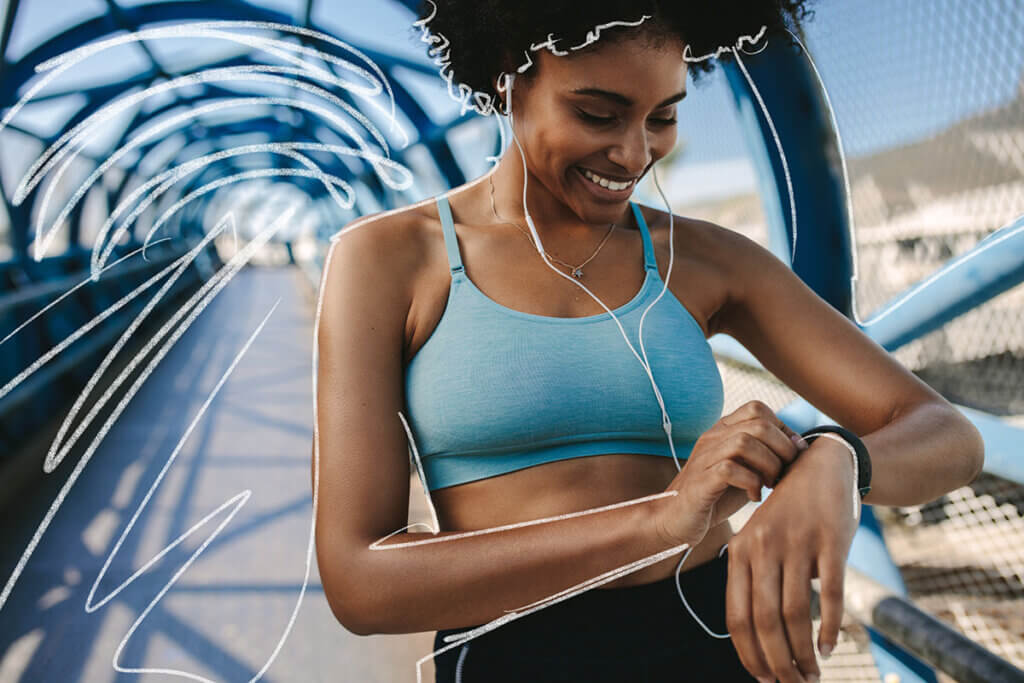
{"points": [[756, 285], [394, 236], [380, 256], [715, 256], [388, 245]]}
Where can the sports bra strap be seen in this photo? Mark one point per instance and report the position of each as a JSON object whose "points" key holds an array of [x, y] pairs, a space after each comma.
{"points": [[649, 262], [444, 210]]}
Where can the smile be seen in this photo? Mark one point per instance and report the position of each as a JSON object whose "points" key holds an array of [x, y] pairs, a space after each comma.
{"points": [[604, 189]]}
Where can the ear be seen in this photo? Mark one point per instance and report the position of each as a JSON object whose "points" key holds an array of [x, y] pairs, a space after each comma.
{"points": [[506, 69], [508, 81]]}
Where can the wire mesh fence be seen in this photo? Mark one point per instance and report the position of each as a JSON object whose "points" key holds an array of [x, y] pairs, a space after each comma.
{"points": [[929, 100]]}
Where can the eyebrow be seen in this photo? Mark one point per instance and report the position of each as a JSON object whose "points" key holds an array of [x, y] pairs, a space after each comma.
{"points": [[623, 100]]}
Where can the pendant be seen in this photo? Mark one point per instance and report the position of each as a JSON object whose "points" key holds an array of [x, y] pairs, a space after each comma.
{"points": [[577, 273]]}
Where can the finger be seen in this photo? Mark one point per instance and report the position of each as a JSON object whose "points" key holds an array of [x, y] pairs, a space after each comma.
{"points": [[785, 429], [831, 568], [739, 618], [758, 409], [733, 473], [768, 433], [796, 612], [766, 583], [755, 454]]}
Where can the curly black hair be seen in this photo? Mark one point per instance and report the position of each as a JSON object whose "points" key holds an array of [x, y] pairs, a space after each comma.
{"points": [[480, 39]]}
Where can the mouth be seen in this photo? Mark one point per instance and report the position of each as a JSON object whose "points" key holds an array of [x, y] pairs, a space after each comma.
{"points": [[604, 188]]}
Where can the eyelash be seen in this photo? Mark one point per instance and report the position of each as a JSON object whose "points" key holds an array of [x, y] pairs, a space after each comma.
{"points": [[590, 118]]}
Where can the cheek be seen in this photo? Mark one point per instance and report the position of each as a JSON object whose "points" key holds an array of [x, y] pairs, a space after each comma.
{"points": [[558, 148], [664, 145]]}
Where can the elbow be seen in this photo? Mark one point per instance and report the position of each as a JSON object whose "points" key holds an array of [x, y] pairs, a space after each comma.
{"points": [[969, 449], [351, 599], [349, 614]]}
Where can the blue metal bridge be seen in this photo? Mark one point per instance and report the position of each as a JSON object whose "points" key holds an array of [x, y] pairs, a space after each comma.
{"points": [[165, 209]]}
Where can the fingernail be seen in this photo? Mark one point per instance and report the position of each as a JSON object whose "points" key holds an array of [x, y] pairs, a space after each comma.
{"points": [[825, 650], [765, 679], [799, 441], [811, 678]]}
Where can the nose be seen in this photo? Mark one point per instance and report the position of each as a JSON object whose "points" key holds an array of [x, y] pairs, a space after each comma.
{"points": [[633, 153]]}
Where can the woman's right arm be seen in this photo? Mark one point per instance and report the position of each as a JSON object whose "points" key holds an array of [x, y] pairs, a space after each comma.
{"points": [[364, 475]]}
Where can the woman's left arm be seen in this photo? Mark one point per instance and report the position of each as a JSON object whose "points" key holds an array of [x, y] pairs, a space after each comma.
{"points": [[920, 446]]}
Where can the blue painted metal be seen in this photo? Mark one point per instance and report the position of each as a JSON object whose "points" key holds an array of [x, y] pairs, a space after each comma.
{"points": [[993, 266], [823, 250], [790, 93], [823, 255], [1003, 456], [430, 133]]}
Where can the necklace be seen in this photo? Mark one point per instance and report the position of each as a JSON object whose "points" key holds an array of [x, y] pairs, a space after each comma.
{"points": [[577, 271]]}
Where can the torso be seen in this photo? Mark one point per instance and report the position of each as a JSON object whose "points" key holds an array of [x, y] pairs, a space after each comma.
{"points": [[507, 268]]}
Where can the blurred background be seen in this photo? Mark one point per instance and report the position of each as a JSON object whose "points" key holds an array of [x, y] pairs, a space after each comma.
{"points": [[156, 406]]}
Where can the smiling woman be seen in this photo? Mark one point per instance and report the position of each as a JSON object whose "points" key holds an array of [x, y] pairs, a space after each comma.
{"points": [[549, 431]]}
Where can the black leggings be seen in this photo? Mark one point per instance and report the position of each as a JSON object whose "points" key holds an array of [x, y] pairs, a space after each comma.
{"points": [[632, 633]]}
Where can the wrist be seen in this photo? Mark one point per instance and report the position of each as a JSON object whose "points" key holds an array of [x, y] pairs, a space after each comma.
{"points": [[854, 445], [655, 518], [822, 460], [845, 452]]}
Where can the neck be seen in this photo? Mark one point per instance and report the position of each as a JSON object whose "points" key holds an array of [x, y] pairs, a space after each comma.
{"points": [[551, 216]]}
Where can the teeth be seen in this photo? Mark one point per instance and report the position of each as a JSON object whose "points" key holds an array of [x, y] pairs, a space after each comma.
{"points": [[604, 182]]}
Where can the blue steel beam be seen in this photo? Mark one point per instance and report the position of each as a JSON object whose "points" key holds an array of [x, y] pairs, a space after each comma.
{"points": [[790, 93], [7, 14], [432, 135], [991, 267]]}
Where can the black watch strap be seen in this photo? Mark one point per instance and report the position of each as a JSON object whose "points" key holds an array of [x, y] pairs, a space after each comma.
{"points": [[863, 459]]}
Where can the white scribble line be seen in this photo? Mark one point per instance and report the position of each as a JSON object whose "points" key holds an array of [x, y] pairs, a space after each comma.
{"points": [[79, 135], [441, 56], [66, 295], [171, 176], [778, 146], [688, 57], [255, 72], [179, 263], [851, 225], [51, 462], [436, 528], [238, 501], [65, 61], [191, 165], [217, 282], [460, 638], [228, 180]]}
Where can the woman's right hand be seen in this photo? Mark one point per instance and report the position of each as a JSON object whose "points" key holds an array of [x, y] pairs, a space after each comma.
{"points": [[728, 465]]}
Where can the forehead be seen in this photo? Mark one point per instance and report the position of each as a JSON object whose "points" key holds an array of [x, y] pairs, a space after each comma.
{"points": [[629, 66]]}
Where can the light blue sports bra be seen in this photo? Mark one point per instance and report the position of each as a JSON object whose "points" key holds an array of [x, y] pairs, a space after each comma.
{"points": [[494, 390]]}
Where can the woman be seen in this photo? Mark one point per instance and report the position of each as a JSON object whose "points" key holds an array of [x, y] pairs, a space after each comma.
{"points": [[445, 328]]}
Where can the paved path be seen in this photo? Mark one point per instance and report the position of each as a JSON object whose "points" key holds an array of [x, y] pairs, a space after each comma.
{"points": [[226, 613]]}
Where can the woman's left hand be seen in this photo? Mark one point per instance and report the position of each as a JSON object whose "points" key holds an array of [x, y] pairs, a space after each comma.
{"points": [[802, 530]]}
